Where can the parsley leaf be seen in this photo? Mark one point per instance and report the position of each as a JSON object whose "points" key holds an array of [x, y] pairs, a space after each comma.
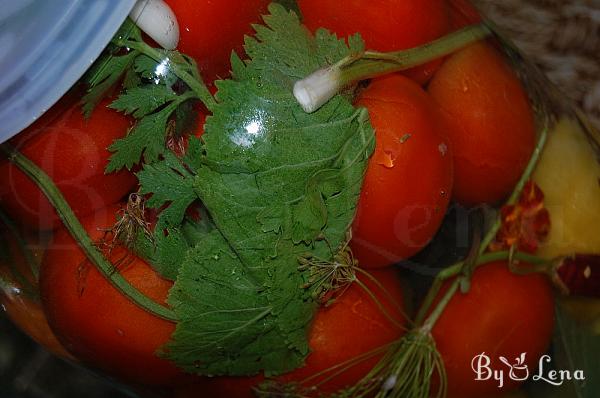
{"points": [[171, 184], [160, 89], [277, 183], [103, 76], [109, 68], [147, 137], [141, 101]]}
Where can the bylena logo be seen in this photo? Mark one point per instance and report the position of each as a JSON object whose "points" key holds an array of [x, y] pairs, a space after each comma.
{"points": [[518, 370]]}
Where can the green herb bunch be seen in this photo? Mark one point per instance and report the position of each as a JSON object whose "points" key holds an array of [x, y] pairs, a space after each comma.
{"points": [[275, 182]]}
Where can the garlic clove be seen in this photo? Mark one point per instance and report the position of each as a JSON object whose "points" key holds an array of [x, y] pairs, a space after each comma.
{"points": [[158, 21]]}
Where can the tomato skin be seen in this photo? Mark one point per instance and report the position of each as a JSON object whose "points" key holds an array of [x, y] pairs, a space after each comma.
{"points": [[490, 123], [503, 314], [73, 152], [351, 326], [408, 183], [463, 13], [210, 30], [385, 25], [424, 73], [94, 321]]}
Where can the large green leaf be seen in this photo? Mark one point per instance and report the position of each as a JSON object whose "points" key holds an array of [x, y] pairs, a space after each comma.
{"points": [[277, 183]]}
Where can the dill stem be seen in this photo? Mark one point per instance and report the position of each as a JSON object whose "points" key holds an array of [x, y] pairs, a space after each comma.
{"points": [[387, 294], [431, 295], [379, 305], [341, 367], [51, 191], [440, 307]]}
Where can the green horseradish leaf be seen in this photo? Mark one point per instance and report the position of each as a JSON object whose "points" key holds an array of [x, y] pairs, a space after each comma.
{"points": [[277, 183]]}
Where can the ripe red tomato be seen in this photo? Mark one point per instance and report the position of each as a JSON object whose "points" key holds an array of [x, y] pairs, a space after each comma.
{"points": [[503, 314], [408, 182], [463, 13], [210, 30], [385, 25], [94, 321], [351, 326], [73, 152], [490, 123]]}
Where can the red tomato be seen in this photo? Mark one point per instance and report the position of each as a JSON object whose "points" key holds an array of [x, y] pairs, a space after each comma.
{"points": [[490, 123], [385, 25], [73, 152], [503, 314], [463, 13], [95, 322], [351, 326], [408, 182], [210, 30]]}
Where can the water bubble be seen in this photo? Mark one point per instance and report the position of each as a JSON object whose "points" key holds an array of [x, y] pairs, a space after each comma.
{"points": [[443, 148], [389, 383]]}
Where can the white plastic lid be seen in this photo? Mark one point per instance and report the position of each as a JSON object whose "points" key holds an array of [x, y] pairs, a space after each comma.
{"points": [[45, 47]]}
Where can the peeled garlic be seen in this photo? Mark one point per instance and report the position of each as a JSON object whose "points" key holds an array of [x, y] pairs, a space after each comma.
{"points": [[158, 21]]}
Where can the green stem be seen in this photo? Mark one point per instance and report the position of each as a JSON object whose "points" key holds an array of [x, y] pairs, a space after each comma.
{"points": [[316, 89], [455, 269], [431, 295], [440, 307], [373, 64], [491, 234], [196, 85], [78, 232], [342, 367]]}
